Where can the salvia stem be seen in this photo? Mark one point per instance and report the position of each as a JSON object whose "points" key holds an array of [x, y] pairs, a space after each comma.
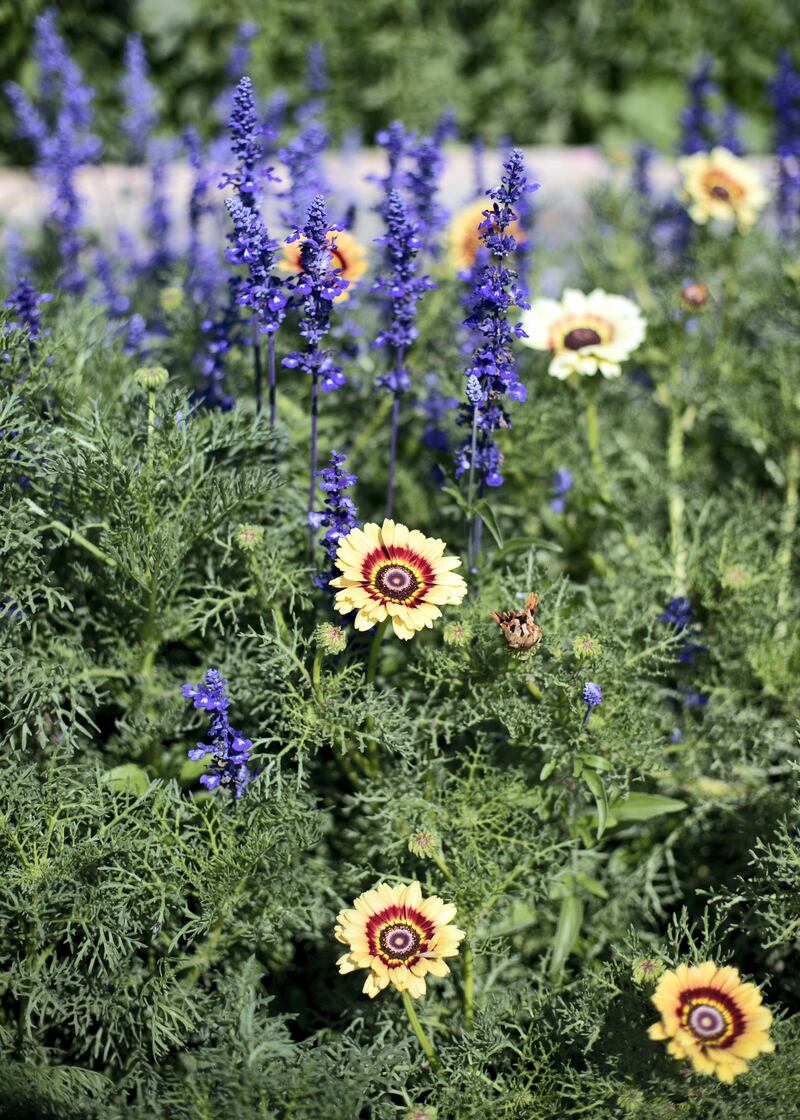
{"points": [[422, 1038], [271, 374], [259, 377], [392, 454], [313, 458], [472, 549]]}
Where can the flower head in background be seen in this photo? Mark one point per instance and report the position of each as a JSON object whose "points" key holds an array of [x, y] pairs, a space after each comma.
{"points": [[563, 482], [698, 120], [340, 515], [302, 158], [24, 303], [422, 182], [348, 257], [229, 750], [139, 118], [710, 1017], [785, 91], [586, 334], [399, 936], [464, 235], [391, 571], [720, 185]]}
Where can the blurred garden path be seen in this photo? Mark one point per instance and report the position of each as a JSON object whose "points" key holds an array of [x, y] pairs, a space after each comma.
{"points": [[115, 196]]}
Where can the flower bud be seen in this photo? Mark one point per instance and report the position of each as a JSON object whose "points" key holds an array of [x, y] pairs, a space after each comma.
{"points": [[646, 970], [586, 648], [457, 634], [249, 537], [171, 299], [330, 638], [151, 378], [423, 844]]}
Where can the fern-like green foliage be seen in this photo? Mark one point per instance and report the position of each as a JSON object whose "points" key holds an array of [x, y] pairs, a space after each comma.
{"points": [[169, 952]]}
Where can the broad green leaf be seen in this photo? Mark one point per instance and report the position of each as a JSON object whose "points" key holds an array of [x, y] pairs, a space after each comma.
{"points": [[569, 926], [643, 806], [595, 784], [129, 777], [486, 512], [458, 498]]}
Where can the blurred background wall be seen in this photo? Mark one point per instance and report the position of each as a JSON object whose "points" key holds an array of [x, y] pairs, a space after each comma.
{"points": [[533, 71]]}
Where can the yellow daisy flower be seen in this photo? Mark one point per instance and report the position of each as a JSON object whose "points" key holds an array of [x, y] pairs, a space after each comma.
{"points": [[463, 237], [586, 334], [399, 936], [719, 184], [390, 570], [349, 256], [710, 1017]]}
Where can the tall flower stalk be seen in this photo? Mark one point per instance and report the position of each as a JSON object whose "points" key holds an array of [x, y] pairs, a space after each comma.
{"points": [[491, 375], [317, 286], [139, 118], [339, 515], [59, 129], [402, 288], [262, 292], [247, 145]]}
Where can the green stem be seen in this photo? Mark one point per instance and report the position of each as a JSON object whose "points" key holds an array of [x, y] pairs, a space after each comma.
{"points": [[422, 1038], [372, 664], [469, 986], [316, 673], [676, 503], [151, 419], [372, 668], [73, 534], [788, 526], [593, 440]]}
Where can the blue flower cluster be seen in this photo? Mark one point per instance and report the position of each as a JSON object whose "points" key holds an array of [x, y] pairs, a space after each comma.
{"points": [[697, 119], [422, 182], [680, 614], [302, 158], [317, 286], [228, 748], [492, 374], [785, 89], [24, 303], [59, 129], [340, 514], [262, 292]]}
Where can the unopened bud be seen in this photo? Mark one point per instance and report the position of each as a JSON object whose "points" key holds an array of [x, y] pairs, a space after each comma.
{"points": [[151, 377]]}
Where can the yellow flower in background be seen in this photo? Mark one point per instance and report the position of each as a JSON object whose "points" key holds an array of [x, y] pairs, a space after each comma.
{"points": [[349, 256], [463, 236], [710, 1017], [399, 936], [720, 185], [586, 334], [391, 571]]}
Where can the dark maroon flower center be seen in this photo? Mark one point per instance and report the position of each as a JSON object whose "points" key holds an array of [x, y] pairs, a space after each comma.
{"points": [[720, 192], [579, 337], [396, 582], [399, 942]]}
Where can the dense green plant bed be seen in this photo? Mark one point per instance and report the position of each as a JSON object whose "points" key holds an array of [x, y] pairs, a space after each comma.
{"points": [[486, 809]]}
